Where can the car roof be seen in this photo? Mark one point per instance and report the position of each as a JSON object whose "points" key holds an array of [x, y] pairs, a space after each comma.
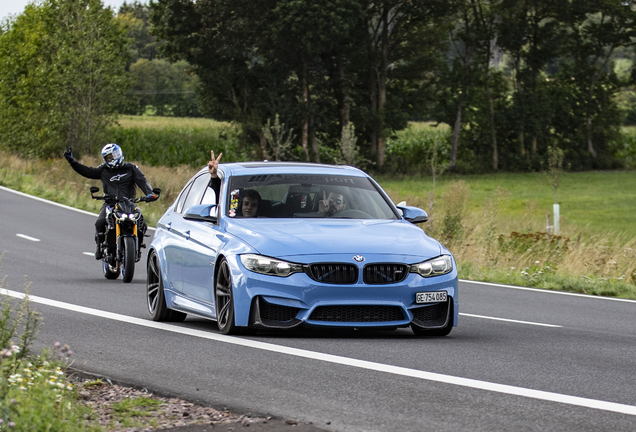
{"points": [[266, 167]]}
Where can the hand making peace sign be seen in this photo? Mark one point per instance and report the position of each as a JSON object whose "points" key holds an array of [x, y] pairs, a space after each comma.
{"points": [[213, 164], [323, 204]]}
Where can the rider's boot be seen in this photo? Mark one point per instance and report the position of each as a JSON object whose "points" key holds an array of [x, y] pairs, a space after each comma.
{"points": [[99, 239]]}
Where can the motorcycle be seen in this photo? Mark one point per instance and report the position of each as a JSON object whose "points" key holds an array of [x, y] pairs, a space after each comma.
{"points": [[123, 241]]}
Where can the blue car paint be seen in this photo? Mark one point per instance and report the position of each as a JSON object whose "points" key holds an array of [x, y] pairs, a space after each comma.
{"points": [[304, 241]]}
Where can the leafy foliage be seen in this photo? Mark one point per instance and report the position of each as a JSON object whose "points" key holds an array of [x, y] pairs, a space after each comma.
{"points": [[68, 77]]}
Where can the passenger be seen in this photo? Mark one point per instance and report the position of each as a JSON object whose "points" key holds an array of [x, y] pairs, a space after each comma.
{"points": [[331, 204]]}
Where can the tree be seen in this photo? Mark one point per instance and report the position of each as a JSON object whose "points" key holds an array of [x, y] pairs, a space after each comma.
{"points": [[598, 29], [320, 65], [312, 40], [91, 53], [400, 34], [29, 115], [167, 87], [68, 77], [531, 32], [135, 17], [457, 75]]}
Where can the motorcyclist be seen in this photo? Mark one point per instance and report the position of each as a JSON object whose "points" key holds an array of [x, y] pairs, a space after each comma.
{"points": [[119, 179]]}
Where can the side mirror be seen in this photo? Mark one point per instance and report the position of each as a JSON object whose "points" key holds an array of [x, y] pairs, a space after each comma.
{"points": [[156, 191], [94, 190], [204, 213], [413, 214]]}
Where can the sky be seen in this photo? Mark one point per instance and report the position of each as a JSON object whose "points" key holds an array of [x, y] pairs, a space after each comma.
{"points": [[14, 7]]}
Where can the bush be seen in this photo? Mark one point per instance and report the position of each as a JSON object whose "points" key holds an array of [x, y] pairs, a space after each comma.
{"points": [[34, 392], [173, 146], [409, 150]]}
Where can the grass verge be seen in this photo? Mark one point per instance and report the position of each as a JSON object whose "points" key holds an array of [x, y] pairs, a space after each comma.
{"points": [[495, 225]]}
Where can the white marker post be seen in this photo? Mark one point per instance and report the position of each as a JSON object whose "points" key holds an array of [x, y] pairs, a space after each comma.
{"points": [[555, 209]]}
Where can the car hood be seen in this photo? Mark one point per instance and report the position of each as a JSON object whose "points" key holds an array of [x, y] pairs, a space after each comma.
{"points": [[290, 237]]}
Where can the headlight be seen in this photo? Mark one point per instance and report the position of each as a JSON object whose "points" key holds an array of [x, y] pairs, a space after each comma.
{"points": [[120, 215], [434, 267], [270, 266], [134, 216]]}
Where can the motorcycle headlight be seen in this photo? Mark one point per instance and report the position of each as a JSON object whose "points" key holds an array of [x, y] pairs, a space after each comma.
{"points": [[270, 266], [434, 267], [120, 215], [134, 216]]}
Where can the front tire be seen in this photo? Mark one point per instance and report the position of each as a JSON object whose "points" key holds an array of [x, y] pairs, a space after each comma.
{"points": [[155, 297], [128, 261], [224, 300]]}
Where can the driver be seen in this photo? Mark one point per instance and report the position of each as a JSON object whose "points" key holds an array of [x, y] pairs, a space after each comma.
{"points": [[251, 201], [331, 204]]}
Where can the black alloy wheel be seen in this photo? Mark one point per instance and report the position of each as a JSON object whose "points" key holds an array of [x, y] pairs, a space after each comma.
{"points": [[224, 300], [155, 297]]}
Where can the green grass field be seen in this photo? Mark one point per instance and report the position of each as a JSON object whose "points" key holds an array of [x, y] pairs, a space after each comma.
{"points": [[592, 202], [494, 224]]}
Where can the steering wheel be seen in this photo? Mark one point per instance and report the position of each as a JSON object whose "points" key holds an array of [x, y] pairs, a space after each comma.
{"points": [[351, 214]]}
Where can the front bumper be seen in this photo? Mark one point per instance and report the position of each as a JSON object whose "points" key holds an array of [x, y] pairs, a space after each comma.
{"points": [[274, 302]]}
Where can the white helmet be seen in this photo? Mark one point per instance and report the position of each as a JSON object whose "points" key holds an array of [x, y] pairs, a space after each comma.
{"points": [[112, 155]]}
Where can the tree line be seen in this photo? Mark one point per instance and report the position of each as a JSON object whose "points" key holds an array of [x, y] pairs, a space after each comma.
{"points": [[511, 78]]}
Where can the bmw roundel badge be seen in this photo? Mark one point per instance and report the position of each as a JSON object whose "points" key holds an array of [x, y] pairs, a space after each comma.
{"points": [[358, 258]]}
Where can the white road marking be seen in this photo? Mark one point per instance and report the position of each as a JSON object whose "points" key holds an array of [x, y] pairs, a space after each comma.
{"points": [[362, 364], [509, 320], [6, 189], [46, 201], [26, 237], [547, 291]]}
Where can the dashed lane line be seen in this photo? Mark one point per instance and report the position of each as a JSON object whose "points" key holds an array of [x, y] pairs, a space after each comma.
{"points": [[26, 237]]}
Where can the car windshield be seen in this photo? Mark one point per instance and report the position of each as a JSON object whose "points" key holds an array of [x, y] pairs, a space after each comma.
{"points": [[306, 196]]}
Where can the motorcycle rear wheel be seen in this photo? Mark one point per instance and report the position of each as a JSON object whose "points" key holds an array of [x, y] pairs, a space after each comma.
{"points": [[128, 261]]}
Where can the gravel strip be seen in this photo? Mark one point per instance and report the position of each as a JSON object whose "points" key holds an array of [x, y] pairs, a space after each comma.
{"points": [[101, 395]]}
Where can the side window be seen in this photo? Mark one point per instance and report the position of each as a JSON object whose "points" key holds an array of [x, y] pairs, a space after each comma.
{"points": [[209, 197], [199, 186], [184, 193]]}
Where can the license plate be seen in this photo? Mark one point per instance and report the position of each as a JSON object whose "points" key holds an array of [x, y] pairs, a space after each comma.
{"points": [[431, 297]]}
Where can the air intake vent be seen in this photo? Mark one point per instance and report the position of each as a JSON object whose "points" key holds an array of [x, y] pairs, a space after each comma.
{"points": [[273, 312], [435, 315], [378, 274], [357, 314], [333, 273]]}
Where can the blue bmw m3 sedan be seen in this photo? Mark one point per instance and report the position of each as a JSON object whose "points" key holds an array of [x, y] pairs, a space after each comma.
{"points": [[276, 245]]}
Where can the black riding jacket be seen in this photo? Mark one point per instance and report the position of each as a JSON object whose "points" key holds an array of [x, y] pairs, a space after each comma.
{"points": [[120, 182]]}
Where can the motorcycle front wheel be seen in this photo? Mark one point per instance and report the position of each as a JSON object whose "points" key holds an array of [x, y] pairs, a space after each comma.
{"points": [[128, 261], [110, 272]]}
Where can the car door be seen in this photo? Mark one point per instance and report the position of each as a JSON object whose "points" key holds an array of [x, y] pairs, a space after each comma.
{"points": [[200, 247], [172, 241]]}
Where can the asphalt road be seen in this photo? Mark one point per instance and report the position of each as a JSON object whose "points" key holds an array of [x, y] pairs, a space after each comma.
{"points": [[521, 359]]}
